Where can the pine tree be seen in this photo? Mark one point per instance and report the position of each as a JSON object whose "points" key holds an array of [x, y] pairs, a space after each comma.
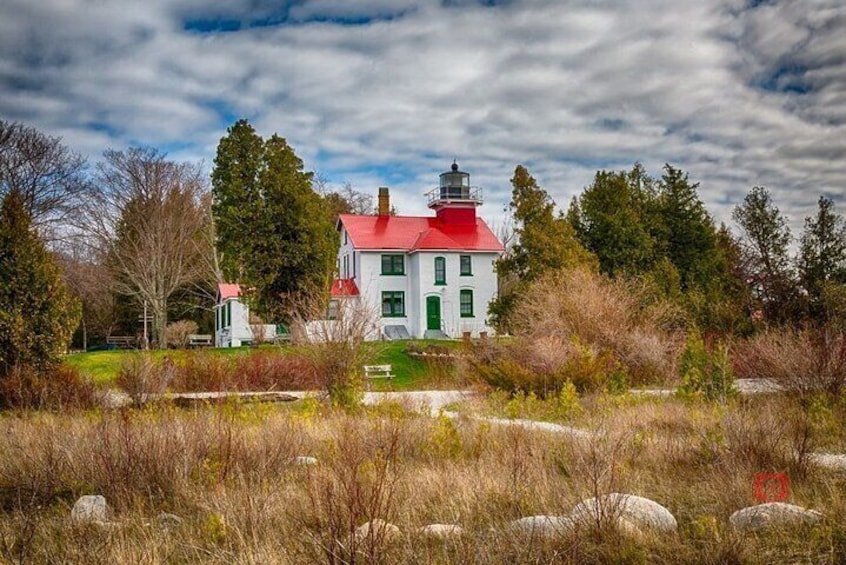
{"points": [[273, 229], [822, 253], [613, 219], [37, 314], [765, 242]]}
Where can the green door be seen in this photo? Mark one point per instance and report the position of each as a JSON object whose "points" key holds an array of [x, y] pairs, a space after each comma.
{"points": [[433, 313]]}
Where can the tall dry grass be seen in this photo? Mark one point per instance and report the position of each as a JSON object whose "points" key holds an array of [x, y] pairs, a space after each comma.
{"points": [[228, 472], [619, 316]]}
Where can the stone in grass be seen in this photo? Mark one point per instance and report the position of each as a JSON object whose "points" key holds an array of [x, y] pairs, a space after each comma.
{"points": [[304, 460], [628, 510], [761, 516], [90, 509], [169, 520], [441, 531], [377, 528], [541, 526]]}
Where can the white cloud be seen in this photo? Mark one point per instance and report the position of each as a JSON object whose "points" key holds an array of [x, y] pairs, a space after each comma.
{"points": [[738, 97]]}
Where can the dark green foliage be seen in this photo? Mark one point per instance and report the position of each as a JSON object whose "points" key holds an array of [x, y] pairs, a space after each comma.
{"points": [[764, 246], [37, 314], [273, 231], [822, 255], [612, 220], [661, 231], [545, 242], [687, 234], [705, 374]]}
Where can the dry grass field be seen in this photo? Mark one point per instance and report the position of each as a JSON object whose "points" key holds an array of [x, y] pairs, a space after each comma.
{"points": [[230, 473]]}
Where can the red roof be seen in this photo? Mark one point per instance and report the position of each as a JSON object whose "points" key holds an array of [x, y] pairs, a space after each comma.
{"points": [[414, 233], [344, 287], [226, 290]]}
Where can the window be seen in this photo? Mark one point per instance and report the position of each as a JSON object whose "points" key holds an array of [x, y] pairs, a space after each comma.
{"points": [[466, 266], [345, 237], [440, 270], [393, 265], [393, 304], [465, 303], [227, 314], [332, 311]]}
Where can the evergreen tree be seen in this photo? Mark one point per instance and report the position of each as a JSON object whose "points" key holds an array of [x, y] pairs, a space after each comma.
{"points": [[237, 205], [545, 241], [822, 253], [764, 245], [686, 230], [37, 314], [273, 229], [613, 219]]}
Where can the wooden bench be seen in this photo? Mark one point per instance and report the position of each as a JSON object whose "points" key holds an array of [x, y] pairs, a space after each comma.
{"points": [[122, 341], [372, 372], [199, 340]]}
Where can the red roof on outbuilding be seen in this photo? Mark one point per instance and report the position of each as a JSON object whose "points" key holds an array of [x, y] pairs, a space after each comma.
{"points": [[227, 290], [414, 233], [344, 287]]}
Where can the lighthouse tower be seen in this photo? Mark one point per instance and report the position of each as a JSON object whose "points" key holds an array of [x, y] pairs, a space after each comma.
{"points": [[455, 201]]}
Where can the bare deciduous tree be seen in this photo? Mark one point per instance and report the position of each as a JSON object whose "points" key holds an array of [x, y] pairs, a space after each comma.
{"points": [[49, 175], [150, 218]]}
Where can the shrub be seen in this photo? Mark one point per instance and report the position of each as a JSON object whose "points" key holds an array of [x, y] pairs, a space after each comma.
{"points": [[60, 388], [270, 370], [176, 333], [705, 374], [625, 318], [141, 375], [805, 362], [544, 367], [203, 372]]}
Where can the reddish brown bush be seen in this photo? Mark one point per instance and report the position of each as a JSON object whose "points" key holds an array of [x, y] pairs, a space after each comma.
{"points": [[806, 362], [256, 371], [621, 317], [59, 388], [270, 370]]}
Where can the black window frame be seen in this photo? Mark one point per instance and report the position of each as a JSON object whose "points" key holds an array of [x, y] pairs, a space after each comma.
{"points": [[462, 271], [396, 301], [464, 292], [392, 260]]}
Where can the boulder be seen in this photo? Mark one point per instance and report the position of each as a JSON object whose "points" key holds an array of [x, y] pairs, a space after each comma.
{"points": [[761, 516], [541, 526], [304, 460], [832, 461], [90, 509], [636, 511], [441, 531], [377, 527]]}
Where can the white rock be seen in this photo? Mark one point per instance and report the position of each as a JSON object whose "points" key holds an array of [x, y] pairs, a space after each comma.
{"points": [[441, 531], [833, 461], [304, 460], [541, 525], [90, 509], [773, 514], [378, 527], [638, 511]]}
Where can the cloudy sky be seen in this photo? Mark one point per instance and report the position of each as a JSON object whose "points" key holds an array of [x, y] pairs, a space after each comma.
{"points": [[388, 92]]}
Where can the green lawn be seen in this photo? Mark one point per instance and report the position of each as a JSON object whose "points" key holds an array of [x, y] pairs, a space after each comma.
{"points": [[411, 373]]}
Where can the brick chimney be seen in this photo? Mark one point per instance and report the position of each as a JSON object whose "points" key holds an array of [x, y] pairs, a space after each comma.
{"points": [[384, 201]]}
